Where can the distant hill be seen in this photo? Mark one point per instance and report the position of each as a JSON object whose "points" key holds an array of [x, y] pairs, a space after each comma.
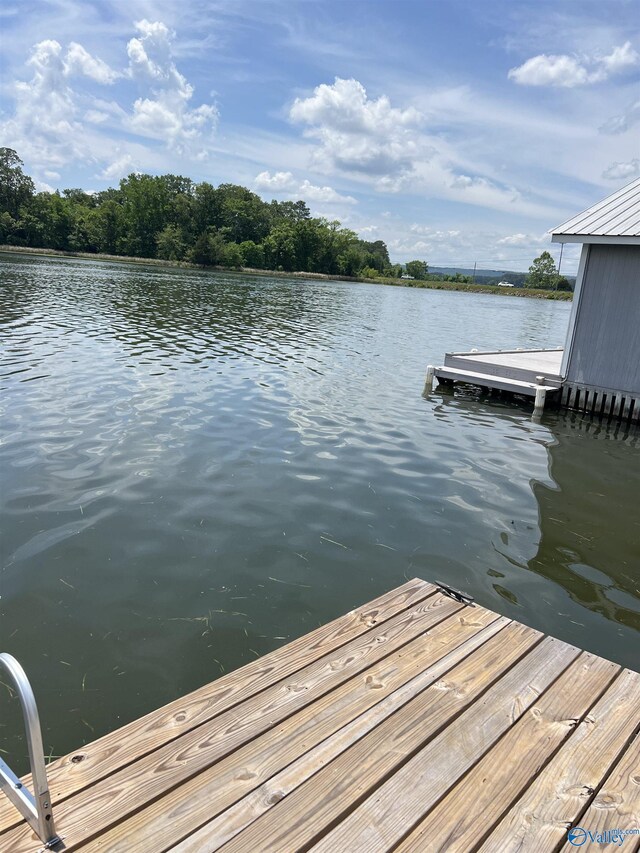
{"points": [[465, 271]]}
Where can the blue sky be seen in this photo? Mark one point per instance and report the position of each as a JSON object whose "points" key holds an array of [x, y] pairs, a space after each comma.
{"points": [[456, 131]]}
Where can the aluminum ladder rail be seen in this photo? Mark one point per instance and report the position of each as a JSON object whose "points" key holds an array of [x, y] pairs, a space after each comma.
{"points": [[36, 807]]}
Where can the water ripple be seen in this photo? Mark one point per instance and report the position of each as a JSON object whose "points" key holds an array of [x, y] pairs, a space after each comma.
{"points": [[181, 446]]}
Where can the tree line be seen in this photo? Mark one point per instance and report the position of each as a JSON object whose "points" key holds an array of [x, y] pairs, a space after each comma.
{"points": [[173, 218]]}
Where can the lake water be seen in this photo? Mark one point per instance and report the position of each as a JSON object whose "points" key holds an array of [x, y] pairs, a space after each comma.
{"points": [[197, 468]]}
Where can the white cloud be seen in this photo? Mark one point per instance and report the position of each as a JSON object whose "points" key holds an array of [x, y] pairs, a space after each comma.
{"points": [[546, 70], [623, 171], [621, 123], [119, 168], [358, 134], [43, 187], [284, 182], [278, 182], [462, 182], [79, 61], [150, 56], [323, 195], [43, 127], [167, 115], [522, 240], [620, 59], [386, 147], [569, 71], [433, 233], [96, 116]]}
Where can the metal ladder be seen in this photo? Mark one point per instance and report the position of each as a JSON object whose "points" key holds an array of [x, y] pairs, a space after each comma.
{"points": [[36, 807]]}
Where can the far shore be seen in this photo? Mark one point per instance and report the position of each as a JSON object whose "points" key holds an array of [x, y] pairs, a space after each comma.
{"points": [[430, 284]]}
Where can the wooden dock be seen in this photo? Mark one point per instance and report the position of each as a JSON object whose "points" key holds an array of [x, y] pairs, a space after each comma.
{"points": [[413, 723]]}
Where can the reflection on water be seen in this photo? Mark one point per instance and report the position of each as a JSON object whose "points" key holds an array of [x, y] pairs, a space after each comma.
{"points": [[590, 523], [196, 468]]}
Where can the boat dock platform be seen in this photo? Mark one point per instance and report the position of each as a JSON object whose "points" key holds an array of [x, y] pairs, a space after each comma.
{"points": [[418, 722], [536, 373], [533, 373]]}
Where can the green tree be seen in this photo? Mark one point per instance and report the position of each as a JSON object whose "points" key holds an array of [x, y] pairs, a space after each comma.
{"points": [[146, 203], [280, 247], [170, 242], [292, 211], [208, 249], [231, 255], [242, 213], [417, 269], [16, 188], [392, 271], [377, 254], [351, 261], [369, 272], [252, 254], [205, 208], [81, 236], [543, 273], [106, 225], [8, 227], [201, 252]]}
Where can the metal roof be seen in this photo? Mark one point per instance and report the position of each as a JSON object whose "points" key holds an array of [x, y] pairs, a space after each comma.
{"points": [[615, 219]]}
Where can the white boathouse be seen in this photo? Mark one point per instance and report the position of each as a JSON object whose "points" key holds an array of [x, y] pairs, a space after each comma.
{"points": [[598, 369]]}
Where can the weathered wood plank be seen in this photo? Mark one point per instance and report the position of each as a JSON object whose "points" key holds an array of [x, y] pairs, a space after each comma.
{"points": [[304, 815], [124, 745], [302, 745], [471, 809], [131, 788], [539, 820], [436, 767], [617, 804]]}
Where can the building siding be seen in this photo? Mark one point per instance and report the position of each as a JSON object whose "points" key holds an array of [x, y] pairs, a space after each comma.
{"points": [[605, 352]]}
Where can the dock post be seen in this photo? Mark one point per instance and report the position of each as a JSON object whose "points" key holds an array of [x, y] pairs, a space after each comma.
{"points": [[428, 382], [541, 394]]}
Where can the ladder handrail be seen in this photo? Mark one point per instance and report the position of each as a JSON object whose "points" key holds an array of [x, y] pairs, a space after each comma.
{"points": [[36, 807]]}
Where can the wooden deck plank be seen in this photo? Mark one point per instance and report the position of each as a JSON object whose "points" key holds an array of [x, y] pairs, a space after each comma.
{"points": [[474, 806], [413, 723], [539, 820], [274, 764], [304, 815], [436, 767], [131, 788], [617, 804], [124, 745]]}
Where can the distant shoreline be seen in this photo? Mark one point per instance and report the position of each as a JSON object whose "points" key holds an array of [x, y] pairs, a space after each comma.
{"points": [[526, 292]]}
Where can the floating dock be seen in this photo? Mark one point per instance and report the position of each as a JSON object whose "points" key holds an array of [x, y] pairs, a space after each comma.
{"points": [[536, 373], [533, 373], [418, 722]]}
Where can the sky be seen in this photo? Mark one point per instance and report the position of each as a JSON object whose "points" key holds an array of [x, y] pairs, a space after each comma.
{"points": [[457, 131]]}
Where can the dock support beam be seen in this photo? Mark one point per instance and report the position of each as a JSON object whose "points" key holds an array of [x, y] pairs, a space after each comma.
{"points": [[541, 396], [428, 382]]}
